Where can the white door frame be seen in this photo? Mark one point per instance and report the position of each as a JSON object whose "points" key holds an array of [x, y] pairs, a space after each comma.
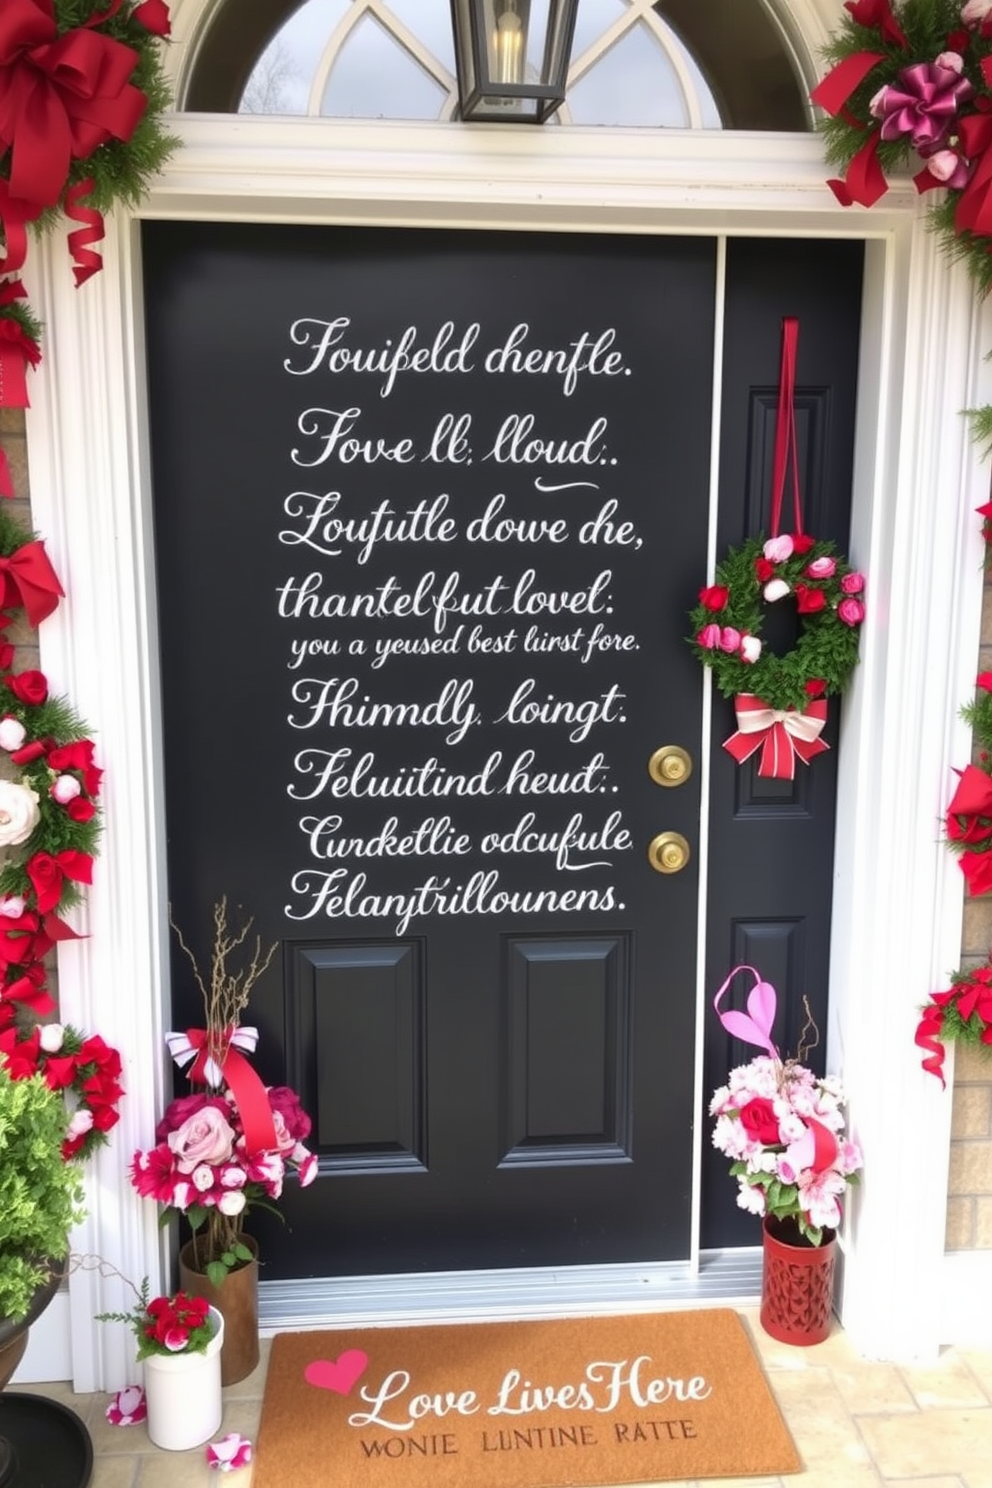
{"points": [[897, 892]]}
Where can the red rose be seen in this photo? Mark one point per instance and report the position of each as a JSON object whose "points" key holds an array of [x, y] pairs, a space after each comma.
{"points": [[815, 687], [714, 596], [764, 568], [78, 756], [80, 810], [809, 601], [29, 687], [977, 869], [984, 680], [802, 542], [760, 1122], [154, 16], [286, 1103]]}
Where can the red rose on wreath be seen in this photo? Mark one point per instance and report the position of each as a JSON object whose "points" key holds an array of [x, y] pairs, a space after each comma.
{"points": [[758, 1119]]}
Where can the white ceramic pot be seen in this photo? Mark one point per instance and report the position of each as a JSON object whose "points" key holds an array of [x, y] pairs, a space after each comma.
{"points": [[183, 1394]]}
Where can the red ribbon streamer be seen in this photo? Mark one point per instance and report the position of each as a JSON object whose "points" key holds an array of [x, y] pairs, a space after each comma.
{"points": [[61, 97], [864, 182], [27, 578], [973, 212], [85, 260], [786, 449], [844, 79], [15, 214], [780, 733], [17, 348], [246, 1087]]}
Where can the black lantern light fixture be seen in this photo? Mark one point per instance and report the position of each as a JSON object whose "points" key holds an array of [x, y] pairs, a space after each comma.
{"points": [[512, 57]]}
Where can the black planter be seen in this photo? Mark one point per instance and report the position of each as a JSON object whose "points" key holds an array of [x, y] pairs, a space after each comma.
{"points": [[42, 1444]]}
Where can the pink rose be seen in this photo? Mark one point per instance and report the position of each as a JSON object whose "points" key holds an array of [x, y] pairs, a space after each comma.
{"points": [[778, 549], [821, 568], [286, 1103], [709, 637], [205, 1138], [730, 639], [66, 788], [182, 1108], [308, 1168], [851, 611], [973, 12], [853, 583]]}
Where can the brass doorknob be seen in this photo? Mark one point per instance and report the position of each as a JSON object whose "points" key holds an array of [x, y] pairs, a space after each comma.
{"points": [[668, 852], [670, 765]]}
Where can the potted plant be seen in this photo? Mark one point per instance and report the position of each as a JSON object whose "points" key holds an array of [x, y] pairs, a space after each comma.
{"points": [[40, 1200], [782, 1127], [226, 1148], [179, 1340]]}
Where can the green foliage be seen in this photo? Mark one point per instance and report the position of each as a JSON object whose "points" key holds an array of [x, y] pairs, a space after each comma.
{"points": [[40, 1194]]}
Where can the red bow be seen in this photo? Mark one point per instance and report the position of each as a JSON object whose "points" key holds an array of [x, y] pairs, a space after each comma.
{"points": [[973, 212], [969, 814], [48, 874], [61, 97], [27, 578], [245, 1086], [780, 733]]}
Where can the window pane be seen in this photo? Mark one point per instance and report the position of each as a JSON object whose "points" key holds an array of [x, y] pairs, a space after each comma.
{"points": [[280, 82], [375, 78], [592, 19], [634, 83], [430, 22]]}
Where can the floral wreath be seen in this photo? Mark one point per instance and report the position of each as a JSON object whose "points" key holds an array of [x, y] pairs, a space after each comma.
{"points": [[912, 86], [82, 98], [49, 828], [727, 620], [86, 1070], [962, 1014]]}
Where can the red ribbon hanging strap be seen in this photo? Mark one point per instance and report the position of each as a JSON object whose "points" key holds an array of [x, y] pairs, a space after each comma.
{"points": [[245, 1086], [786, 454]]}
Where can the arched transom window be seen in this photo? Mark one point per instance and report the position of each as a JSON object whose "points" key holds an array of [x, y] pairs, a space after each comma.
{"points": [[682, 64]]}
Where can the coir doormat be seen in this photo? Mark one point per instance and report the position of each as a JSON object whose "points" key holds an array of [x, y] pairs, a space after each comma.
{"points": [[591, 1401]]}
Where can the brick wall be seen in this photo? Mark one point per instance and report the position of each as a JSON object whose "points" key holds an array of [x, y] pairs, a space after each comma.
{"points": [[969, 1190]]}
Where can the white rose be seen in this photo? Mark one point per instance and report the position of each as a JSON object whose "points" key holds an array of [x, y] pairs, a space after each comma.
{"points": [[12, 906], [81, 1123], [231, 1202], [12, 733], [974, 12], [65, 789], [750, 648], [775, 589], [19, 814], [50, 1036]]}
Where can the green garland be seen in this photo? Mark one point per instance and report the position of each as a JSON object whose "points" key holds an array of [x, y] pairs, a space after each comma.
{"points": [[726, 623]]}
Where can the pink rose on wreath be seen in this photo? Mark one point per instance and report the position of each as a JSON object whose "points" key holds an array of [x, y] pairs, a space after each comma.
{"points": [[853, 583], [851, 611], [821, 568], [778, 549], [709, 637], [730, 639], [204, 1138]]}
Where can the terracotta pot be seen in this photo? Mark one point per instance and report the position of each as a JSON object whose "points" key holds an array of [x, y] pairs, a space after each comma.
{"points": [[237, 1302], [183, 1394], [797, 1289]]}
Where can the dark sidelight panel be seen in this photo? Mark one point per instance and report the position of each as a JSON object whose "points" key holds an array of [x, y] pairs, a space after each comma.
{"points": [[567, 1065], [772, 842], [362, 1007]]}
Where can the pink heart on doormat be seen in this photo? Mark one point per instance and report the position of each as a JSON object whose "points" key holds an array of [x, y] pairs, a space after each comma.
{"points": [[337, 1374]]}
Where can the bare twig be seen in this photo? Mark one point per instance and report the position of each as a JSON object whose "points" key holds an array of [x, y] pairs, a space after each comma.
{"points": [[230, 990]]}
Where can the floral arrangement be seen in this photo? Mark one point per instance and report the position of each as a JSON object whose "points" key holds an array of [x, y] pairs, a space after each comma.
{"points": [[829, 596], [962, 1013], [911, 86], [177, 1324], [220, 1151], [82, 97], [782, 1126]]}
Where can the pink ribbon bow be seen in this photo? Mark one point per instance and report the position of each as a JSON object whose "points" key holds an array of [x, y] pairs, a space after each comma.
{"points": [[780, 733], [754, 1026], [191, 1048]]}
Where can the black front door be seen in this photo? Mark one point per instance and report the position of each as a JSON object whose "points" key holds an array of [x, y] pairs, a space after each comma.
{"points": [[431, 508]]}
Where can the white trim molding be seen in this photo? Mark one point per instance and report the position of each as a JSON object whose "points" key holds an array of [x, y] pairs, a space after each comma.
{"points": [[897, 894]]}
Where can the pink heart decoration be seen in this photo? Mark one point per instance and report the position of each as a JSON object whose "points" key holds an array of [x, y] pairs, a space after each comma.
{"points": [[754, 1026], [337, 1374]]}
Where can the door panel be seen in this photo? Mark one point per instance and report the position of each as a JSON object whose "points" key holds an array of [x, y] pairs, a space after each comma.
{"points": [[416, 749]]}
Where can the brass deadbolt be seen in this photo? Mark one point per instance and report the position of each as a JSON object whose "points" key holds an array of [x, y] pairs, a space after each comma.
{"points": [[670, 765], [668, 852]]}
